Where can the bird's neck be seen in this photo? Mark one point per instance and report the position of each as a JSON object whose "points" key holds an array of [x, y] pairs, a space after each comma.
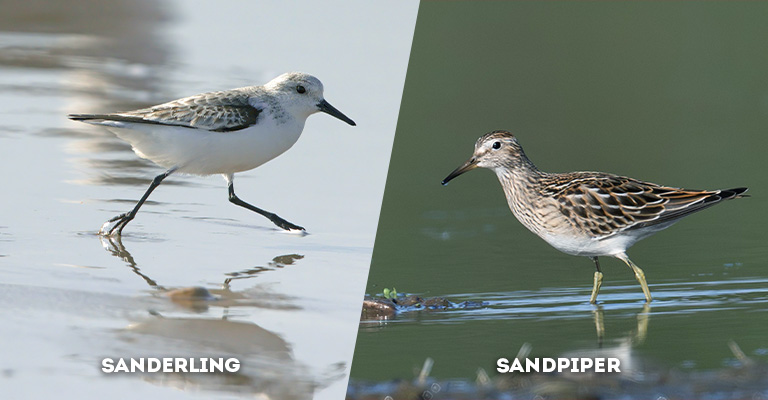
{"points": [[519, 181], [521, 169]]}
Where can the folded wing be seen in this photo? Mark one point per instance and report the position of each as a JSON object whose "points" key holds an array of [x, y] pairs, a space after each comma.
{"points": [[604, 205], [217, 111]]}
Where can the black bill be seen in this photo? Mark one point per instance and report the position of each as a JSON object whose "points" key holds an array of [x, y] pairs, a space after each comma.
{"points": [[469, 165], [327, 108]]}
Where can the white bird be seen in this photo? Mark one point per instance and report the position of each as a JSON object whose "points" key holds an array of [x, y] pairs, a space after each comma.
{"points": [[218, 133]]}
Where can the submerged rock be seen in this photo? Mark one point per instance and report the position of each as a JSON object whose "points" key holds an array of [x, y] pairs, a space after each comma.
{"points": [[377, 308], [384, 308]]}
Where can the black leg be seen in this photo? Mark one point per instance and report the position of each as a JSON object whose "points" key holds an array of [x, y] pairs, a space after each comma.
{"points": [[123, 219], [597, 264], [272, 216]]}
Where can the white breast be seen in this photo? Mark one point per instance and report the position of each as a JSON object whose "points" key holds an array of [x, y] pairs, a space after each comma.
{"points": [[201, 152], [581, 246]]}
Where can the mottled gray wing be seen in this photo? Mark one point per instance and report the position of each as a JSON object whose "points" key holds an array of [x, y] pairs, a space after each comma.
{"points": [[216, 111], [603, 204]]}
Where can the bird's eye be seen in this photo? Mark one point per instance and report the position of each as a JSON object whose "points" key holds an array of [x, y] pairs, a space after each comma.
{"points": [[496, 145], [301, 89]]}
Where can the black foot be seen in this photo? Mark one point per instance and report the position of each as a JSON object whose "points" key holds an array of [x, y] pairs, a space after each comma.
{"points": [[284, 224], [117, 229]]}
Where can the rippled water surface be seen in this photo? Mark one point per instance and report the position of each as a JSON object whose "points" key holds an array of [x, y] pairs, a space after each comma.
{"points": [[673, 93], [286, 305]]}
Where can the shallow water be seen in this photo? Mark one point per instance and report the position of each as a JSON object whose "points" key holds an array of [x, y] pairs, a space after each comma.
{"points": [[286, 304], [584, 86]]}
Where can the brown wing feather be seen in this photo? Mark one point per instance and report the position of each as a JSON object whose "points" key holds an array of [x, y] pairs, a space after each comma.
{"points": [[604, 204], [681, 202]]}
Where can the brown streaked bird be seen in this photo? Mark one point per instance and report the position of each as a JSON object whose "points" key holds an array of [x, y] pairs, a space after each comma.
{"points": [[586, 213]]}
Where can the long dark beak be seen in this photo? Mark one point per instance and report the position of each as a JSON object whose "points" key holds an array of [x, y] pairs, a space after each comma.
{"points": [[469, 165], [327, 108]]}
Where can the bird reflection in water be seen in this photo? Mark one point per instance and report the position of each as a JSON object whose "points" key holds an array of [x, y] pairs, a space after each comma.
{"points": [[268, 367]]}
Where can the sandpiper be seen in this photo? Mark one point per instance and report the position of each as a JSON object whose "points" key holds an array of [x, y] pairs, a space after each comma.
{"points": [[586, 213], [218, 133]]}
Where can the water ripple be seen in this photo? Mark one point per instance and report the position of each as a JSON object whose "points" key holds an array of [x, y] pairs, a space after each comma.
{"points": [[570, 303]]}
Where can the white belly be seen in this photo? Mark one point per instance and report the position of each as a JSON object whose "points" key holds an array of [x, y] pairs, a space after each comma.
{"points": [[607, 246], [579, 246], [200, 152]]}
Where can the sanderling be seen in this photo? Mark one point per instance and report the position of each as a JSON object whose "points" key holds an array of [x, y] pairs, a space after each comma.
{"points": [[586, 213], [218, 133]]}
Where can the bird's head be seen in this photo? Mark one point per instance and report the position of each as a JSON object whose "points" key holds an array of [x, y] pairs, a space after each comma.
{"points": [[497, 149], [302, 94]]}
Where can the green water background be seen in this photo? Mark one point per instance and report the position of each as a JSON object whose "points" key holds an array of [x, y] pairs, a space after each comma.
{"points": [[673, 93]]}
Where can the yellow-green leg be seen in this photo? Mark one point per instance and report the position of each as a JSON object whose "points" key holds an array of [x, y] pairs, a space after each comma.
{"points": [[597, 282], [639, 275]]}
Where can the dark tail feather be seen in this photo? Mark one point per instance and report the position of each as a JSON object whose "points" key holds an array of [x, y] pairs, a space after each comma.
{"points": [[710, 200], [84, 117], [724, 194], [736, 193], [111, 117]]}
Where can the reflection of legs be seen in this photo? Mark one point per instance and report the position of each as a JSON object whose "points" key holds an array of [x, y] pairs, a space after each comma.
{"points": [[598, 281], [124, 218], [638, 274], [599, 324], [114, 245], [272, 216], [643, 317]]}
